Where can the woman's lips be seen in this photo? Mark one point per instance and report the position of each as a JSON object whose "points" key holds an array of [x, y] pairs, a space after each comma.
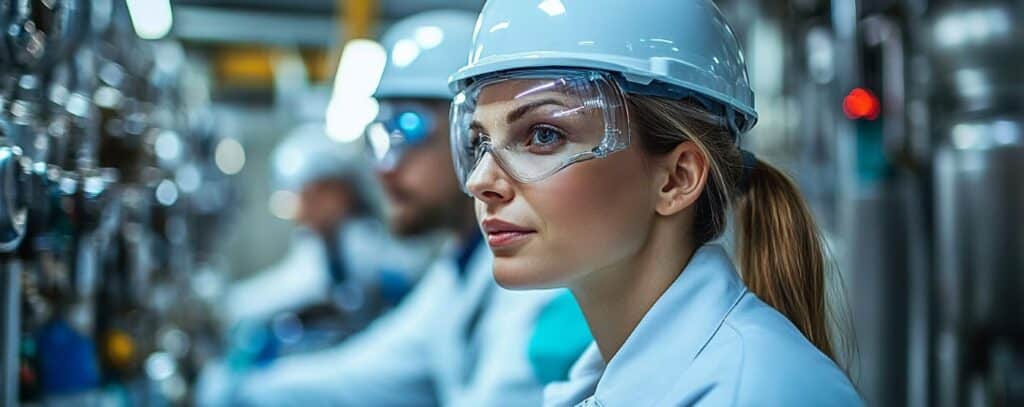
{"points": [[506, 239], [503, 234]]}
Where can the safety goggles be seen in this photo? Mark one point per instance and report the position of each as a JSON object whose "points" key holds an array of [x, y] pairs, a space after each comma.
{"points": [[399, 127], [536, 123]]}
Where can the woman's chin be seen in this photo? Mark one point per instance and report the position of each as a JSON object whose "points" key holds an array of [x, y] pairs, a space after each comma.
{"points": [[517, 274]]}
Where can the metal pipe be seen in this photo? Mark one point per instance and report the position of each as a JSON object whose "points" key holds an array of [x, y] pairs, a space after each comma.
{"points": [[10, 318]]}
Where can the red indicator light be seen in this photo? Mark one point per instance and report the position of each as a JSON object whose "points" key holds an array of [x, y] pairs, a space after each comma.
{"points": [[862, 104]]}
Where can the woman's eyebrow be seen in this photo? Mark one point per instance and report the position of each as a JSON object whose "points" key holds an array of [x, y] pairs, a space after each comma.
{"points": [[524, 109], [476, 125]]}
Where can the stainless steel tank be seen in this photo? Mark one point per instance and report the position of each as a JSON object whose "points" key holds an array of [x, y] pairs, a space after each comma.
{"points": [[977, 99]]}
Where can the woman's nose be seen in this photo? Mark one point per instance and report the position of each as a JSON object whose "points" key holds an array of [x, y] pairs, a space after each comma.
{"points": [[488, 182]]}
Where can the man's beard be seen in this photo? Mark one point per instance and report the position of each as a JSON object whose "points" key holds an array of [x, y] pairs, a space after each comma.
{"points": [[430, 218]]}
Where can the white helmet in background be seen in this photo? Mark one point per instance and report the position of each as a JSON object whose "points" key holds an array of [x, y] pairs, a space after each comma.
{"points": [[307, 155], [423, 50]]}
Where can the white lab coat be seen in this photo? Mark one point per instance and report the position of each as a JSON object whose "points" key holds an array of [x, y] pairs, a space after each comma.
{"points": [[299, 279], [302, 277], [708, 341], [419, 355]]}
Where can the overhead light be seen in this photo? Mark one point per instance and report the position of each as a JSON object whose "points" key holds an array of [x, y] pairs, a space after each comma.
{"points": [[152, 19], [359, 71], [352, 105]]}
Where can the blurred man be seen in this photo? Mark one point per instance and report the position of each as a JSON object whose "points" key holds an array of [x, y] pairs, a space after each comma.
{"points": [[458, 339], [343, 268]]}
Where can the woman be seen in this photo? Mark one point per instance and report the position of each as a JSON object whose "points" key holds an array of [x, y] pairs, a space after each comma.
{"points": [[599, 138]]}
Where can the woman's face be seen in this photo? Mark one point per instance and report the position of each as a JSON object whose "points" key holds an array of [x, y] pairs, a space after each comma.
{"points": [[553, 232]]}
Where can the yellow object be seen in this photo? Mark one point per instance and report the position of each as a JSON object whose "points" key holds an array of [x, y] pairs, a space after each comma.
{"points": [[249, 66], [244, 66], [358, 17], [119, 348]]}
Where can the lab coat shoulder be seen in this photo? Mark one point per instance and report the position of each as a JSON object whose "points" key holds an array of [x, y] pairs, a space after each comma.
{"points": [[370, 249], [388, 364], [757, 357], [296, 281], [504, 376]]}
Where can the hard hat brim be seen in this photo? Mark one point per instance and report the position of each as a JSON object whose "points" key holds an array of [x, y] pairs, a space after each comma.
{"points": [[642, 72]]}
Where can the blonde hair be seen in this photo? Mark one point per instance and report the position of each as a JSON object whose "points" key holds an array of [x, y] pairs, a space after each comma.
{"points": [[781, 252]]}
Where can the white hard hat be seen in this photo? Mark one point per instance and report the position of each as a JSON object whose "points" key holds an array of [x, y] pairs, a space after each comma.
{"points": [[662, 47], [308, 155], [423, 50]]}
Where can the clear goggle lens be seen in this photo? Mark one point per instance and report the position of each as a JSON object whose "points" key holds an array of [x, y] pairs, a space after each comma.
{"points": [[398, 128], [536, 123]]}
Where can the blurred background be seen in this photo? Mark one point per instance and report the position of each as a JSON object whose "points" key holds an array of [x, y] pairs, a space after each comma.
{"points": [[141, 179]]}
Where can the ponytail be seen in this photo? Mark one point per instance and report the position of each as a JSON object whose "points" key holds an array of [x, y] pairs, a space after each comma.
{"points": [[781, 253]]}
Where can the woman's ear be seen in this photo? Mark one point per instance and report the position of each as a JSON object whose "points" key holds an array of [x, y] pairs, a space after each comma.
{"points": [[685, 175]]}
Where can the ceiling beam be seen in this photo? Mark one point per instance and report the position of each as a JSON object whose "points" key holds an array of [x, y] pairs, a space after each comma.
{"points": [[212, 24]]}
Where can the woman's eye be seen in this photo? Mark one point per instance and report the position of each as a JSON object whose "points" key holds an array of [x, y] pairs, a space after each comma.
{"points": [[476, 142], [544, 138]]}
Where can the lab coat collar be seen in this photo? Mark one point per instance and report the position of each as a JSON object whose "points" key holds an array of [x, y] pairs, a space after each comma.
{"points": [[671, 334], [470, 290]]}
